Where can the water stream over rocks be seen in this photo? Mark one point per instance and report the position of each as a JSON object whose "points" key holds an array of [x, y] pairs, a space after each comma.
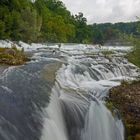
{"points": [[60, 94]]}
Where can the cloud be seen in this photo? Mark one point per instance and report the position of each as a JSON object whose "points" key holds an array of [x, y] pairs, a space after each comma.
{"points": [[98, 11]]}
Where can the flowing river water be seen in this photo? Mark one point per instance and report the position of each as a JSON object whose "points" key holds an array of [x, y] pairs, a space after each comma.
{"points": [[60, 94]]}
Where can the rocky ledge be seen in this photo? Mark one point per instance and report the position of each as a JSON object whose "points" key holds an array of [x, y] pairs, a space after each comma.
{"points": [[126, 98]]}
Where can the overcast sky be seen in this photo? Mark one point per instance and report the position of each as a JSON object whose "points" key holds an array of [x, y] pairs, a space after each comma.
{"points": [[100, 11]]}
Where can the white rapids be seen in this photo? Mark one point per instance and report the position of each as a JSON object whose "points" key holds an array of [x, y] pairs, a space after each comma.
{"points": [[77, 108]]}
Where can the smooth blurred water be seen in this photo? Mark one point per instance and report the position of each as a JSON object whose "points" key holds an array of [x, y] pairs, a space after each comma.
{"points": [[76, 110], [60, 94], [24, 91]]}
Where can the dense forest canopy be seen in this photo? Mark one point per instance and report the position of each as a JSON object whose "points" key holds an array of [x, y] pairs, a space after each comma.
{"points": [[50, 21]]}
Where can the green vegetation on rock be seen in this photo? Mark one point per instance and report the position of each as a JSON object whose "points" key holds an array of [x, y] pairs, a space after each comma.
{"points": [[126, 98], [134, 56], [12, 56]]}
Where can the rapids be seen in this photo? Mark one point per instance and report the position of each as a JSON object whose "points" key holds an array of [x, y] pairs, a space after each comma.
{"points": [[60, 94], [77, 108]]}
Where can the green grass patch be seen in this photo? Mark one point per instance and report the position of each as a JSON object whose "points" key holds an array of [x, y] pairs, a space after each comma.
{"points": [[12, 56], [134, 56], [110, 106]]}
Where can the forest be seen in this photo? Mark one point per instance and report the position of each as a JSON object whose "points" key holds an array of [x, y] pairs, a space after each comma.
{"points": [[50, 21]]}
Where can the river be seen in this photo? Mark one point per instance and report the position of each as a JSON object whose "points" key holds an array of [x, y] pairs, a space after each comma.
{"points": [[60, 94]]}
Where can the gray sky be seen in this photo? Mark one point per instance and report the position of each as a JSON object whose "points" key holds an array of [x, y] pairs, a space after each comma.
{"points": [[98, 11]]}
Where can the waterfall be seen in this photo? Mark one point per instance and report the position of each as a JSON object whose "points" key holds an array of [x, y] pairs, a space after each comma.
{"points": [[99, 124], [77, 110], [61, 96], [55, 127]]}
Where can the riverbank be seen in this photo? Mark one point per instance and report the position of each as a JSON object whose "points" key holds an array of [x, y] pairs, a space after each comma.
{"points": [[12, 56], [134, 56], [126, 98]]}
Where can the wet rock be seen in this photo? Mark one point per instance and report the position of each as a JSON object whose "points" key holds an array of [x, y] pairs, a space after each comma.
{"points": [[126, 98]]}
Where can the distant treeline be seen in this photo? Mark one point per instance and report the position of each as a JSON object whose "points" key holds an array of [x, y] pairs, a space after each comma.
{"points": [[108, 31], [50, 21]]}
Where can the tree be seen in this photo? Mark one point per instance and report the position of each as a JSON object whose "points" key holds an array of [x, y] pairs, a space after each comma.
{"points": [[49, 20], [2, 29], [28, 25], [80, 19]]}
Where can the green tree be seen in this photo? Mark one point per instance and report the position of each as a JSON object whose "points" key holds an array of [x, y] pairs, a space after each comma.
{"points": [[2, 29], [49, 20], [28, 25]]}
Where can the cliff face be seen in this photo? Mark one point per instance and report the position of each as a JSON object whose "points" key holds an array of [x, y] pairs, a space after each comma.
{"points": [[126, 98]]}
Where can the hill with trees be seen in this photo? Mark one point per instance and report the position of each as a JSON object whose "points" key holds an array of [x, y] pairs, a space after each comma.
{"points": [[50, 21]]}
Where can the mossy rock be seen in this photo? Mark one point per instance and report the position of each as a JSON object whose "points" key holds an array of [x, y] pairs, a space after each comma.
{"points": [[12, 56], [126, 98]]}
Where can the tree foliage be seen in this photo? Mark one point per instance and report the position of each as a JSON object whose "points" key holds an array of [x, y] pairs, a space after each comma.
{"points": [[50, 21]]}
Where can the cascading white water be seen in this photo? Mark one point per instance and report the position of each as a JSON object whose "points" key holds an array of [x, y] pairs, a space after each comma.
{"points": [[100, 125], [55, 127], [76, 110]]}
